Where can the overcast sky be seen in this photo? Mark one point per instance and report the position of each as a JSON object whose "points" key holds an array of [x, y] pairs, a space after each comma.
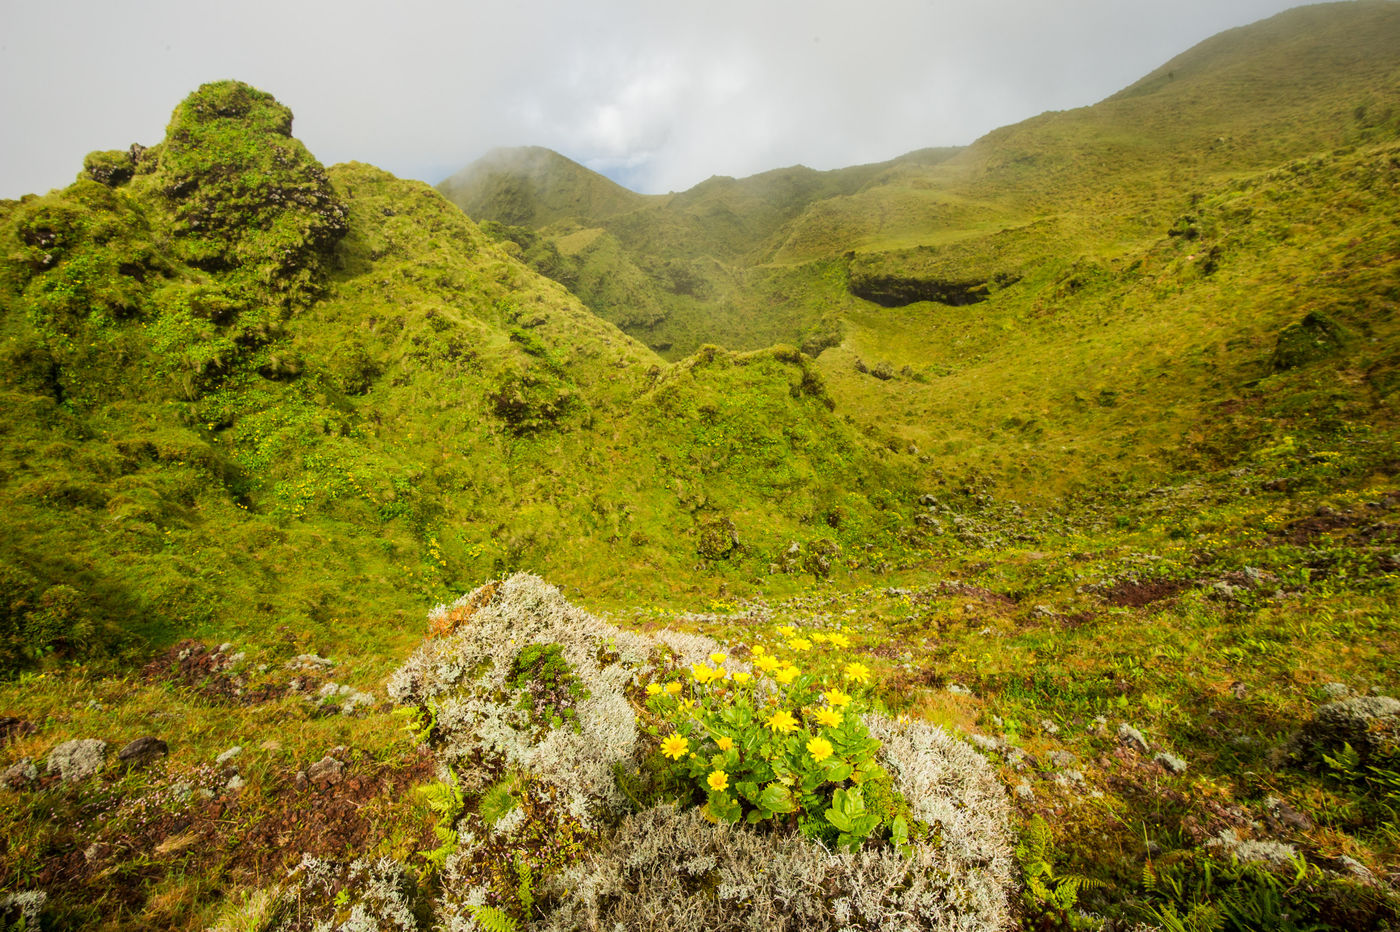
{"points": [[657, 94]]}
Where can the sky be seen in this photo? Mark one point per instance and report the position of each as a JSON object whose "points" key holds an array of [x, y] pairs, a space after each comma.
{"points": [[655, 94]]}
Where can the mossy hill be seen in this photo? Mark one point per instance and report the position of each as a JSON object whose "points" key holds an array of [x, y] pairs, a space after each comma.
{"points": [[1081, 441], [223, 360]]}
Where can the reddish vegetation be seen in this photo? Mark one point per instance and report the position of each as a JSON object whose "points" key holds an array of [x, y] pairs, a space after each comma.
{"points": [[208, 672], [1133, 593]]}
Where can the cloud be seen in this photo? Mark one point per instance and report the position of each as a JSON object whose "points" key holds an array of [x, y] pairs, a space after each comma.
{"points": [[659, 95]]}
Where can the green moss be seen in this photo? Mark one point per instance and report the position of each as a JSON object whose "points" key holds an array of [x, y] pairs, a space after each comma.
{"points": [[244, 195]]}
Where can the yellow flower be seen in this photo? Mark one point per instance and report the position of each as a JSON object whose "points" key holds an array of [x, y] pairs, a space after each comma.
{"points": [[725, 742], [687, 705], [786, 675], [718, 781], [717, 659], [836, 698], [782, 720], [820, 749], [675, 746], [839, 640], [857, 672], [787, 631], [767, 663], [829, 718], [653, 689], [759, 650], [800, 644], [703, 674], [673, 688], [741, 678]]}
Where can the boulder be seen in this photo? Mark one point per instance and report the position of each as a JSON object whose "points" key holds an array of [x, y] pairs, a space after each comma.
{"points": [[78, 759], [143, 751], [20, 774]]}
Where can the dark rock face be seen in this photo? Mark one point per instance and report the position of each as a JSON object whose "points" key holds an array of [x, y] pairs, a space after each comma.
{"points": [[143, 751], [896, 291]]}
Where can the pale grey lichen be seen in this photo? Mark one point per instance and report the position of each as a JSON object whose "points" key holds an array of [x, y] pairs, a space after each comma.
{"points": [[479, 716], [23, 907], [78, 759], [364, 895], [645, 878]]}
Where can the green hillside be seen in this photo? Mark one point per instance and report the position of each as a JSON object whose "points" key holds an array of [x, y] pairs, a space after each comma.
{"points": [[1023, 517], [345, 373]]}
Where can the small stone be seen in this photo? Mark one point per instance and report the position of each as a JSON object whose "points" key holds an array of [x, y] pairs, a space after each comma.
{"points": [[228, 755], [78, 759], [1171, 762], [302, 781], [20, 774], [143, 751], [1133, 738], [326, 772], [224, 647], [1336, 690], [1355, 868]]}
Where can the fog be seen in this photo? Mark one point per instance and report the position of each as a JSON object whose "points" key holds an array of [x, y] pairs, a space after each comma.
{"points": [[657, 96]]}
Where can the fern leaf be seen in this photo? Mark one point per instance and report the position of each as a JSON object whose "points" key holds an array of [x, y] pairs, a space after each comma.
{"points": [[492, 919]]}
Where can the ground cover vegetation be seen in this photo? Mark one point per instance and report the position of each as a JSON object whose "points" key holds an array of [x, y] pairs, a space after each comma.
{"points": [[1003, 536]]}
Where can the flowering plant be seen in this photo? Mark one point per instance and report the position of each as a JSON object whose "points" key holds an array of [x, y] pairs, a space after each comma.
{"points": [[776, 746]]}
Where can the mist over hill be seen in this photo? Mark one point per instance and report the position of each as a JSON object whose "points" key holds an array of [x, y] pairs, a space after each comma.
{"points": [[1075, 445]]}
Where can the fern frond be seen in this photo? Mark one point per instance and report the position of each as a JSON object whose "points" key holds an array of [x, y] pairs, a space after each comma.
{"points": [[492, 919]]}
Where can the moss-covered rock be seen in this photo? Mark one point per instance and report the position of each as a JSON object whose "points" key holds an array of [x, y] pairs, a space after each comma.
{"points": [[113, 167], [244, 194], [1313, 338]]}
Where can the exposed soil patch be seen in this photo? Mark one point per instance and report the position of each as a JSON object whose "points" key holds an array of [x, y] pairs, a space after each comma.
{"points": [[1136, 593], [1305, 529], [326, 821], [953, 587]]}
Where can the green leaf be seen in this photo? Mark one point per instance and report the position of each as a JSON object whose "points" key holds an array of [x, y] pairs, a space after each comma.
{"points": [[837, 771], [839, 819], [776, 798]]}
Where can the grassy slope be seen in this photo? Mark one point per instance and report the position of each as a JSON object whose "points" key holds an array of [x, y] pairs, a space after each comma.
{"points": [[436, 413]]}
